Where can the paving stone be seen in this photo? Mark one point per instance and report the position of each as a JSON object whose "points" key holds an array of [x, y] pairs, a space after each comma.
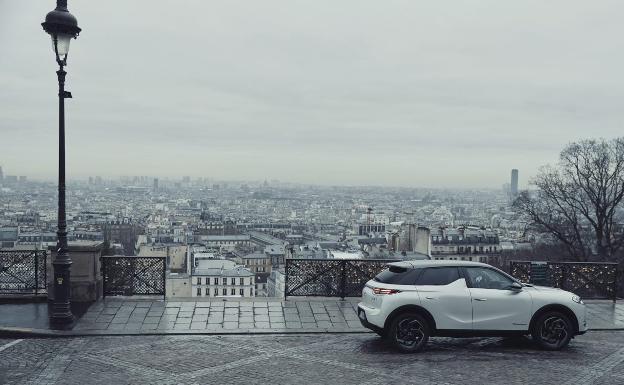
{"points": [[185, 314], [231, 310], [133, 327], [262, 325], [230, 317], [278, 325], [200, 318], [104, 318], [245, 319], [181, 326], [321, 317], [324, 324], [116, 327], [261, 317], [260, 304], [149, 326], [198, 325], [291, 317], [172, 310], [261, 311], [202, 310], [143, 304], [202, 305], [231, 304], [151, 320], [309, 325], [293, 325], [246, 325], [230, 325]]}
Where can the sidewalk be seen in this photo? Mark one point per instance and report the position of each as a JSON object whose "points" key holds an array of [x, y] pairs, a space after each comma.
{"points": [[258, 316]]}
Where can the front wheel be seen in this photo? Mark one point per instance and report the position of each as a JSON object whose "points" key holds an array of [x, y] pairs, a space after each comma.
{"points": [[409, 332], [552, 331]]}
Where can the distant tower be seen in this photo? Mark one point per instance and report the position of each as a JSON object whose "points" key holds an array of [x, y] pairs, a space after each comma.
{"points": [[514, 182], [155, 184], [1, 174]]}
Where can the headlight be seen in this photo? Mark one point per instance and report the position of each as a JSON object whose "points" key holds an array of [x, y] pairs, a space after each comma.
{"points": [[577, 299]]}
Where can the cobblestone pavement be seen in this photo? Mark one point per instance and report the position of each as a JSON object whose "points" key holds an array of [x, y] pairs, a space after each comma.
{"points": [[148, 317], [594, 358]]}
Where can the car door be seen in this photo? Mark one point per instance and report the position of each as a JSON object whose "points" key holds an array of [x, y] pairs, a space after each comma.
{"points": [[444, 293], [494, 305]]}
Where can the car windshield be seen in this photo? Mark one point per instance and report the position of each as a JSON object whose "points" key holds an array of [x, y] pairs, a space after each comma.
{"points": [[397, 275]]}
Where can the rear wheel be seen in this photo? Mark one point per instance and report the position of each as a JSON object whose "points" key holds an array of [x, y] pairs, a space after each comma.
{"points": [[552, 330], [409, 332]]}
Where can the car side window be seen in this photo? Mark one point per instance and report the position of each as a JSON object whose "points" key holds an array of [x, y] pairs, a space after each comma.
{"points": [[484, 278], [438, 276]]}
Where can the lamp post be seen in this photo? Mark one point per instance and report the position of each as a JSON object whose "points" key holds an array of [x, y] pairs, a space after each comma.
{"points": [[62, 27]]}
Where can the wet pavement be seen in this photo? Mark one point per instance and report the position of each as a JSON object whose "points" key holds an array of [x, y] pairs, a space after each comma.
{"points": [[594, 358]]}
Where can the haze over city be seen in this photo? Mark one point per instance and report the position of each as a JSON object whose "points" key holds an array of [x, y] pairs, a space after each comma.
{"points": [[354, 92]]}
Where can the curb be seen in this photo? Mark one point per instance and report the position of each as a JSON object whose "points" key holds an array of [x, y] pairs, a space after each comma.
{"points": [[13, 332]]}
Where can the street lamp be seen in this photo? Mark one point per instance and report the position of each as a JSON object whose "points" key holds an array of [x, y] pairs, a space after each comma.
{"points": [[62, 27]]}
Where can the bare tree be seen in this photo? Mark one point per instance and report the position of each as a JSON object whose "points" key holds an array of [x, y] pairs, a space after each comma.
{"points": [[577, 201]]}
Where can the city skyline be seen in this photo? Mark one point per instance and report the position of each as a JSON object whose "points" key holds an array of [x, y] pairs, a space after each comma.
{"points": [[399, 94]]}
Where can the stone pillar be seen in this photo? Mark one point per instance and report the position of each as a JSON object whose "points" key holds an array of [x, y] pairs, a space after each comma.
{"points": [[86, 276]]}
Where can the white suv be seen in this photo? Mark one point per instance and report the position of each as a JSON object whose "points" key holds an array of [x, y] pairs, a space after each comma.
{"points": [[410, 301]]}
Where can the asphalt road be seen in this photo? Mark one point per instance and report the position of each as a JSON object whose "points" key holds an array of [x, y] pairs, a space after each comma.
{"points": [[595, 358]]}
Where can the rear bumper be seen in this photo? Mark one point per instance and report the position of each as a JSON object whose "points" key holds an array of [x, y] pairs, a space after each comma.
{"points": [[363, 317]]}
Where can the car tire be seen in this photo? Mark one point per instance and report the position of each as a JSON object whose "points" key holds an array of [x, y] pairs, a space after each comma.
{"points": [[409, 332], [552, 330]]}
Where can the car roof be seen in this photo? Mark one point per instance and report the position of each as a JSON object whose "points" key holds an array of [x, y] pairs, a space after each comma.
{"points": [[437, 263]]}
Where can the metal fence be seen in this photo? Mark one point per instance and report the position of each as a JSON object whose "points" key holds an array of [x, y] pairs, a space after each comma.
{"points": [[590, 280], [330, 277], [130, 276], [23, 272]]}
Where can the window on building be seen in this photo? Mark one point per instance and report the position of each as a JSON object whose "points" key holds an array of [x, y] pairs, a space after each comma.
{"points": [[199, 291], [216, 280], [240, 281], [224, 291], [232, 281], [233, 291], [241, 292]]}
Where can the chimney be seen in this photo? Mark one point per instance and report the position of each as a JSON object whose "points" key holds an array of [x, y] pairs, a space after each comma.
{"points": [[422, 242]]}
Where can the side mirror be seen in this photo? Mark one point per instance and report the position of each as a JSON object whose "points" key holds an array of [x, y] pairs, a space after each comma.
{"points": [[515, 286]]}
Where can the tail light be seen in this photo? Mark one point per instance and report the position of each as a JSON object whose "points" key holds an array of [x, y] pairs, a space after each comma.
{"points": [[379, 290]]}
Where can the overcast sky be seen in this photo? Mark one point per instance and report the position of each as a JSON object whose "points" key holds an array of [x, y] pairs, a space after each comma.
{"points": [[410, 93]]}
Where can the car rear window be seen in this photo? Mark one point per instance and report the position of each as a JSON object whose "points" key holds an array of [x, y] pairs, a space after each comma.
{"points": [[438, 276], [398, 275]]}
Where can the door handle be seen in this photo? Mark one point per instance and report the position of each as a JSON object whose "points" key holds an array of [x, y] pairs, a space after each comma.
{"points": [[481, 299], [430, 297]]}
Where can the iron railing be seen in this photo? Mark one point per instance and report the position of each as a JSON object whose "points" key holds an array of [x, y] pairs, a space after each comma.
{"points": [[129, 276], [590, 280], [330, 277], [23, 272]]}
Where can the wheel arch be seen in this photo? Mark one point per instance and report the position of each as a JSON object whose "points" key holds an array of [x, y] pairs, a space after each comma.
{"points": [[411, 308], [555, 307]]}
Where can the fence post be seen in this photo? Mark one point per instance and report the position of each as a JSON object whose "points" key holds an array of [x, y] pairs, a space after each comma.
{"points": [[343, 279], [103, 267], [36, 272], [164, 278], [615, 283], [286, 280]]}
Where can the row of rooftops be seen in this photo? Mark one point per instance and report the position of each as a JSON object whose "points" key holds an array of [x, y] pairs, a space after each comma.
{"points": [[463, 235]]}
